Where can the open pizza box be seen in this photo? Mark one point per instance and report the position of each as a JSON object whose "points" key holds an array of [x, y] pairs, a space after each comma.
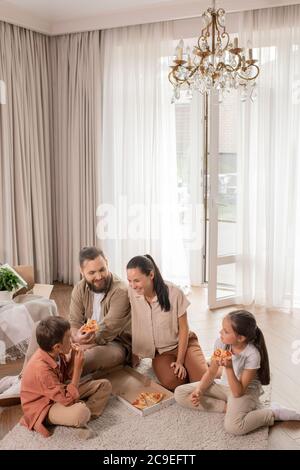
{"points": [[128, 383]]}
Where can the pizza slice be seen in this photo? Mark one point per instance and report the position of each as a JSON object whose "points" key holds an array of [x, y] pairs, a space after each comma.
{"points": [[153, 397], [146, 399], [91, 326], [217, 354], [226, 354], [221, 354], [140, 402]]}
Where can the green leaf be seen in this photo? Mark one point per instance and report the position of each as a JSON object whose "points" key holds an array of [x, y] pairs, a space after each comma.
{"points": [[8, 280]]}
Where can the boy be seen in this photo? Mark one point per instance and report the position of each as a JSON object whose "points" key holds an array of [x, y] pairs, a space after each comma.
{"points": [[45, 396]]}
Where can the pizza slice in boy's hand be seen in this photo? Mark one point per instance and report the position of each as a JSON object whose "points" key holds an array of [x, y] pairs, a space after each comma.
{"points": [[91, 326]]}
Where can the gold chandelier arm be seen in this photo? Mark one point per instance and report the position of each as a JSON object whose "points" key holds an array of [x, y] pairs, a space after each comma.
{"points": [[193, 71], [225, 35], [218, 14], [229, 67], [174, 80], [170, 76], [203, 39], [247, 68], [210, 11]]}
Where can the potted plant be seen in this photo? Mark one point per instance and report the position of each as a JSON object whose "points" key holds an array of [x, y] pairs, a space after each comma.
{"points": [[10, 282]]}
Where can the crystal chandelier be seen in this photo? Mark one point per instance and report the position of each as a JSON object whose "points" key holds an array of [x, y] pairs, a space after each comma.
{"points": [[216, 62]]}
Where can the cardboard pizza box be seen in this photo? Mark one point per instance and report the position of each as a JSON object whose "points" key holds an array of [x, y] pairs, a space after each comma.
{"points": [[128, 383], [27, 275], [44, 290]]}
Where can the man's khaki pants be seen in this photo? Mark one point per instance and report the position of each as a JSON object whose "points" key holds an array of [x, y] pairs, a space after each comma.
{"points": [[104, 357], [95, 393], [242, 414]]}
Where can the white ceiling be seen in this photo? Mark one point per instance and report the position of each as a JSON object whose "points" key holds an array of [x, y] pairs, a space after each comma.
{"points": [[66, 10], [65, 16]]}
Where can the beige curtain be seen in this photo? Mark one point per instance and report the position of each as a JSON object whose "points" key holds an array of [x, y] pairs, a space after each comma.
{"points": [[25, 178], [49, 133], [76, 121]]}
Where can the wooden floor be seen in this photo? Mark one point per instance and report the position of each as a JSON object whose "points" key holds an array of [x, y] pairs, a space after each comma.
{"points": [[280, 329]]}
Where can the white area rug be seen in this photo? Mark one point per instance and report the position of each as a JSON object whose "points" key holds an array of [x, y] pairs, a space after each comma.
{"points": [[119, 428]]}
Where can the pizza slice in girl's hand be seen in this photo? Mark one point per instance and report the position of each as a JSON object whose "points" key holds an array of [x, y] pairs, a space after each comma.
{"points": [[226, 354], [217, 354], [91, 326], [221, 354]]}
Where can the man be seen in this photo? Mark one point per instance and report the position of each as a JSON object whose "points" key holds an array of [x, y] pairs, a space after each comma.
{"points": [[101, 296]]}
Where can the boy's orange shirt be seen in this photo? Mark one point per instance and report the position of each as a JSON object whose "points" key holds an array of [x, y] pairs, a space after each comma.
{"points": [[42, 385]]}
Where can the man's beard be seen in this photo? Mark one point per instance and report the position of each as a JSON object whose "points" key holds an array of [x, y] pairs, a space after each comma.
{"points": [[99, 290]]}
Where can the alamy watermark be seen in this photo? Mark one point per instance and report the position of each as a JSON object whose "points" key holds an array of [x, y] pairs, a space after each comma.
{"points": [[2, 92], [125, 221]]}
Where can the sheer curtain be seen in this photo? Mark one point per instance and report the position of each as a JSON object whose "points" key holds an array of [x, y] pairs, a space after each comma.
{"points": [[139, 212], [193, 206], [25, 174], [268, 162], [76, 151]]}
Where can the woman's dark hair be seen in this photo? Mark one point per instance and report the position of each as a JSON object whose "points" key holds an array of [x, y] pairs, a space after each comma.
{"points": [[146, 264], [243, 323], [51, 331]]}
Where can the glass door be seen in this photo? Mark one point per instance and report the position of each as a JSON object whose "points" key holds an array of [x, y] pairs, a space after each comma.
{"points": [[221, 201]]}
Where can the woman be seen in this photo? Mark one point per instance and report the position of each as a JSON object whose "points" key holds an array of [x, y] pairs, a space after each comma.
{"points": [[160, 327]]}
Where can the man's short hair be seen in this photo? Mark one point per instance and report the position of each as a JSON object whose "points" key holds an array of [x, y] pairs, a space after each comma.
{"points": [[89, 253], [51, 331]]}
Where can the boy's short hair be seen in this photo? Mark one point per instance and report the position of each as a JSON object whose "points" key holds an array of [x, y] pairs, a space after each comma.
{"points": [[89, 253], [51, 331]]}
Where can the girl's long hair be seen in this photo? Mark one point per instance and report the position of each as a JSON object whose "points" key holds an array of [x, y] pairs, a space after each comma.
{"points": [[146, 264], [243, 323]]}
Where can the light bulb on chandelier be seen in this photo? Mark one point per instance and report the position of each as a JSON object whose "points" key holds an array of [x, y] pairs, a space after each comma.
{"points": [[215, 63]]}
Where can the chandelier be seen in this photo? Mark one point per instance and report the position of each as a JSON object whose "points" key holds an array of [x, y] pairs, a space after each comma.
{"points": [[216, 62]]}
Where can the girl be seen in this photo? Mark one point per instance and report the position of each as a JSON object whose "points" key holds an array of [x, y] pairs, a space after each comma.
{"points": [[237, 392], [160, 327]]}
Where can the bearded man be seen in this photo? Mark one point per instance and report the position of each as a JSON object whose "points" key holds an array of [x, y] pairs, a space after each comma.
{"points": [[103, 297]]}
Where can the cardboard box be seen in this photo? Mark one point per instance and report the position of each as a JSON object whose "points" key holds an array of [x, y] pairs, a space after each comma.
{"points": [[42, 289], [27, 273], [127, 384]]}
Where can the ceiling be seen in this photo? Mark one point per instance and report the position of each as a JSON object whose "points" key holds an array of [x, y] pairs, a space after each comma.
{"points": [[66, 10], [64, 16]]}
